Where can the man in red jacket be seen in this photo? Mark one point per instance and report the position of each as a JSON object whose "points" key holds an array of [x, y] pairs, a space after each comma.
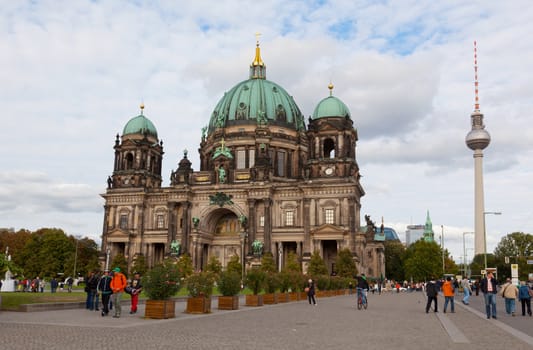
{"points": [[118, 283]]}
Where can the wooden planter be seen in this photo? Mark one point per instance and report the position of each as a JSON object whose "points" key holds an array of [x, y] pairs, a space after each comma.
{"points": [[270, 298], [321, 294], [228, 302], [283, 297], [254, 300], [198, 305], [293, 296], [160, 309], [303, 296]]}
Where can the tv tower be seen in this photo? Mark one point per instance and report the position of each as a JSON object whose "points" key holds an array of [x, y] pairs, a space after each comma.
{"points": [[477, 140]]}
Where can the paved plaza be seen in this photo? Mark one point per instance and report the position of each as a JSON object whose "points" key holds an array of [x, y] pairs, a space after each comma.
{"points": [[395, 321]]}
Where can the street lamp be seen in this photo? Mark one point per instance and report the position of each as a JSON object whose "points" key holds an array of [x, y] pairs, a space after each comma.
{"points": [[75, 260], [442, 248], [108, 253], [485, 234], [464, 250]]}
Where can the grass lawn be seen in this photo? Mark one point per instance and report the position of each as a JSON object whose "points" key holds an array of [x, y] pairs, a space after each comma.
{"points": [[12, 300]]}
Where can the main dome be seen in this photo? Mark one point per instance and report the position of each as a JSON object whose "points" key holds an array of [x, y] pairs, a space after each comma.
{"points": [[256, 101]]}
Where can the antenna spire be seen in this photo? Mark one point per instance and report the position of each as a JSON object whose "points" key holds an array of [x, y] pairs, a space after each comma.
{"points": [[476, 82]]}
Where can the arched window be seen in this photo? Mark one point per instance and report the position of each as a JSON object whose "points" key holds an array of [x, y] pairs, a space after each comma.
{"points": [[329, 148], [129, 161]]}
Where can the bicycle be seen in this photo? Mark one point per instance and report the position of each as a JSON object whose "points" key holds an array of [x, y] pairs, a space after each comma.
{"points": [[362, 300]]}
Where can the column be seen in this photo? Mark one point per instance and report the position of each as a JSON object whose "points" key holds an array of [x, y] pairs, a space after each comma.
{"points": [[171, 235], [352, 217], [252, 221], [186, 229], [307, 226], [268, 225]]}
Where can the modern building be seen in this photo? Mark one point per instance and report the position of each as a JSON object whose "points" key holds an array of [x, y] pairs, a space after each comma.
{"points": [[414, 233], [267, 183]]}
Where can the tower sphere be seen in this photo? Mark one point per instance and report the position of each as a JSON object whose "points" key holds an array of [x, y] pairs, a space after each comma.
{"points": [[477, 139]]}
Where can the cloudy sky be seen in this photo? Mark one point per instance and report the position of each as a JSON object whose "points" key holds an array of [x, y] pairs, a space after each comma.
{"points": [[74, 72]]}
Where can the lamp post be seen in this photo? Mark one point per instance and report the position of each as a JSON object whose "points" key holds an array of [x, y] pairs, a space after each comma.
{"points": [[442, 248], [107, 253], [75, 260], [485, 234], [243, 236], [464, 250]]}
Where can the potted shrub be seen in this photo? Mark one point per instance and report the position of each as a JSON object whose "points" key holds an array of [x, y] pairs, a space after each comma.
{"points": [[284, 286], [200, 287], [229, 285], [272, 283], [255, 280], [160, 284]]}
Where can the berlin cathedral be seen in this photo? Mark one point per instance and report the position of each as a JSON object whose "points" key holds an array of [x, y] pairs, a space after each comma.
{"points": [[267, 183]]}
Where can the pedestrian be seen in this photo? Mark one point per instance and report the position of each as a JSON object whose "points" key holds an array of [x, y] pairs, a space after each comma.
{"points": [[432, 290], [118, 283], [104, 288], [70, 282], [510, 293], [53, 285], [449, 294], [524, 294], [476, 287], [489, 288], [467, 291], [42, 285], [91, 286], [310, 289], [362, 286], [350, 288], [136, 289]]}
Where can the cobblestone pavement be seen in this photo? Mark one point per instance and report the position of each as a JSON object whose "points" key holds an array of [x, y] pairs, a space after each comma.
{"points": [[395, 321]]}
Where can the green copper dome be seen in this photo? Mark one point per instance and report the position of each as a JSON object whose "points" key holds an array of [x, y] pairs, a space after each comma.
{"points": [[331, 107], [256, 101], [140, 125]]}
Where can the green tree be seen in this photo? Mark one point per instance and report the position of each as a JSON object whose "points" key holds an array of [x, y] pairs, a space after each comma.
{"points": [[214, 266], [234, 265], [139, 265], [185, 265], [267, 263], [344, 264], [292, 263], [120, 261], [317, 265], [394, 260], [16, 242], [517, 247], [423, 260]]}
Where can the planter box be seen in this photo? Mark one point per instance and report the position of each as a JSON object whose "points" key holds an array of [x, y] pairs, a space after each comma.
{"points": [[160, 309], [254, 300], [303, 296], [283, 297], [270, 298], [293, 296], [228, 302], [198, 305], [321, 294]]}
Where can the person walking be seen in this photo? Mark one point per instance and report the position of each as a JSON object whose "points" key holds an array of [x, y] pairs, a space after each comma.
{"points": [[489, 289], [118, 283], [510, 293], [91, 288], [467, 290], [136, 289], [525, 298], [104, 288], [432, 290], [310, 289], [449, 294], [53, 285]]}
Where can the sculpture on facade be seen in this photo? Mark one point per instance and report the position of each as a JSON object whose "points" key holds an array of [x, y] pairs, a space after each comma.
{"points": [[175, 247], [195, 222], [257, 247]]}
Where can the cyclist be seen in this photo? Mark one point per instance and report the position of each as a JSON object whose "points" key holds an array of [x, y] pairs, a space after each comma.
{"points": [[362, 284]]}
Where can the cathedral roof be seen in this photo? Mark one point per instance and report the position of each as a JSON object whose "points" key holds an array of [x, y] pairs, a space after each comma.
{"points": [[256, 101], [140, 125], [331, 106]]}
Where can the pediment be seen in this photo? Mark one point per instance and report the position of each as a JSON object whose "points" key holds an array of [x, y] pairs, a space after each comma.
{"points": [[118, 235], [328, 231]]}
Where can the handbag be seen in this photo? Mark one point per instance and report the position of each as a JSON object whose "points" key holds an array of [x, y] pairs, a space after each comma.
{"points": [[306, 289], [128, 289]]}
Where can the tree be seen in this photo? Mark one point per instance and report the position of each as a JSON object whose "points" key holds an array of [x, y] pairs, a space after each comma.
{"points": [[344, 264], [394, 260], [292, 264], [317, 265], [120, 261], [214, 266], [234, 265], [185, 265], [16, 242], [139, 265], [267, 263], [517, 247], [423, 260]]}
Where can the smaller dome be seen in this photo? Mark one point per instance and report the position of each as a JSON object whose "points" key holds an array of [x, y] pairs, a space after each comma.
{"points": [[140, 125], [331, 107]]}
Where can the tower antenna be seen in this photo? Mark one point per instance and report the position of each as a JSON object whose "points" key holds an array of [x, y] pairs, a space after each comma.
{"points": [[476, 82]]}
